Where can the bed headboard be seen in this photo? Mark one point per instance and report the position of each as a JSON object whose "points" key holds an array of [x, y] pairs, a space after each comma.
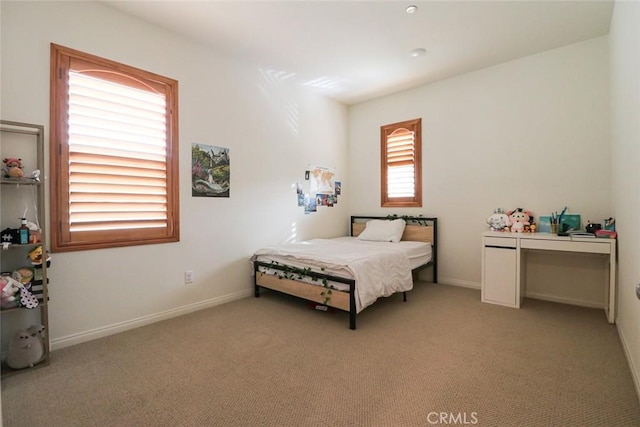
{"points": [[418, 229]]}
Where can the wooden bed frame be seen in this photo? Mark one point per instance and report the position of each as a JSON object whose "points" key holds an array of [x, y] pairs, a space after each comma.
{"points": [[419, 229]]}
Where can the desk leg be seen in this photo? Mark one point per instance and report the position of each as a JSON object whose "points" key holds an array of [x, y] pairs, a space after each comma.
{"points": [[611, 313], [522, 276]]}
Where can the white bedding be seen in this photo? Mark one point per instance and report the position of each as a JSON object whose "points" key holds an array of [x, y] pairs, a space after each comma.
{"points": [[379, 268]]}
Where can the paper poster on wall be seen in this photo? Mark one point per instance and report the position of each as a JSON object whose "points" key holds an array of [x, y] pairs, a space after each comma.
{"points": [[321, 180], [300, 194], [210, 171], [310, 204], [323, 189], [325, 200]]}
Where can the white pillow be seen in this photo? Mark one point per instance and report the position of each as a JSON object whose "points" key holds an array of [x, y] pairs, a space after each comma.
{"points": [[382, 230]]}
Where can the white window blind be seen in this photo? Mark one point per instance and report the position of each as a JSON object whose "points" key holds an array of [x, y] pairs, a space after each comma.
{"points": [[117, 155], [400, 164]]}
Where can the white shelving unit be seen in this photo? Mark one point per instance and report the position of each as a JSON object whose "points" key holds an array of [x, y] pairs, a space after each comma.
{"points": [[20, 195]]}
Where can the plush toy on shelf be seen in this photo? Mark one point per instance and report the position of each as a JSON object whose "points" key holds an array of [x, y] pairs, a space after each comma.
{"points": [[499, 221], [13, 167], [15, 294], [10, 292], [23, 275], [520, 220], [38, 254], [26, 348]]}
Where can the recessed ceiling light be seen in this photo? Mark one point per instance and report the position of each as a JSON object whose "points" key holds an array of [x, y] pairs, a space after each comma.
{"points": [[420, 51], [411, 9]]}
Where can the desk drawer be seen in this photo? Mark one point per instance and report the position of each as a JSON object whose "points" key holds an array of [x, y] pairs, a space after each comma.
{"points": [[567, 246], [502, 242]]}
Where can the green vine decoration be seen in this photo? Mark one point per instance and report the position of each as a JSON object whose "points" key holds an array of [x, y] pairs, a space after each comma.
{"points": [[295, 273], [410, 218]]}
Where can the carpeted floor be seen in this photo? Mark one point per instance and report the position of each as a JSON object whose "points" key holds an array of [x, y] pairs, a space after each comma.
{"points": [[442, 358]]}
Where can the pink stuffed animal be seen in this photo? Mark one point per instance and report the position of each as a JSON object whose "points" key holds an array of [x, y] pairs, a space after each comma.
{"points": [[519, 218], [13, 167]]}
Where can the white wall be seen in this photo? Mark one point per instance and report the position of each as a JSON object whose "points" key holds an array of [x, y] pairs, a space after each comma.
{"points": [[273, 131], [625, 107], [530, 133]]}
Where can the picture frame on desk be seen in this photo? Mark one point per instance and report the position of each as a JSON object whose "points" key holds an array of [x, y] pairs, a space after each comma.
{"points": [[544, 224]]}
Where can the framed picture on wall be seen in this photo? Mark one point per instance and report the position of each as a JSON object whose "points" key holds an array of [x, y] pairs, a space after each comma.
{"points": [[210, 171]]}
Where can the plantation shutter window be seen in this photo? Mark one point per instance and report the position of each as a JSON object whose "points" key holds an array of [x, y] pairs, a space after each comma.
{"points": [[401, 165], [114, 162]]}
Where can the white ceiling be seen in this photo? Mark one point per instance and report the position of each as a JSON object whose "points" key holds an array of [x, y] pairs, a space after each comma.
{"points": [[353, 51]]}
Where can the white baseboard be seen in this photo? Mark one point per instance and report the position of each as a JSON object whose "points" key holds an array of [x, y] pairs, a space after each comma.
{"points": [[635, 374], [93, 334], [544, 297], [571, 301], [458, 282]]}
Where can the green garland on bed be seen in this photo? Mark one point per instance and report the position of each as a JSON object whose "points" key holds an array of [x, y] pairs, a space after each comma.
{"points": [[295, 273]]}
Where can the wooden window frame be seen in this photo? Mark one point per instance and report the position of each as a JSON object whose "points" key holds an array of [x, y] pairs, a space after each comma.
{"points": [[414, 126], [63, 239]]}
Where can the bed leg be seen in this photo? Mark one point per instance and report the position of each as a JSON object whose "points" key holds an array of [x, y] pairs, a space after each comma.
{"points": [[256, 288], [352, 306], [404, 296]]}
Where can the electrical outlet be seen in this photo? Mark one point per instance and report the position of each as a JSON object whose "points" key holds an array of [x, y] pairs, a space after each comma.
{"points": [[188, 276]]}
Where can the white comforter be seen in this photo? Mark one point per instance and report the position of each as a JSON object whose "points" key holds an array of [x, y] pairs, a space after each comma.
{"points": [[379, 268]]}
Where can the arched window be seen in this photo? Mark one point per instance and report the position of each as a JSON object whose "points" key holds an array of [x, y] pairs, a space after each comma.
{"points": [[401, 166], [114, 154]]}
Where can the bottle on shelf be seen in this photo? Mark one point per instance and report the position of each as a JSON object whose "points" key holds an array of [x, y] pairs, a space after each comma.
{"points": [[34, 236], [23, 231]]}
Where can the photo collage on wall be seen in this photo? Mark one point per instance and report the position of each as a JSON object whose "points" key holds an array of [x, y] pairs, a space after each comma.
{"points": [[210, 171], [323, 189]]}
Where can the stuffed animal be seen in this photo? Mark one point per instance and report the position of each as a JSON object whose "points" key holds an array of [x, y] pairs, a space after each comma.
{"points": [[23, 275], [13, 167], [499, 221], [10, 289], [37, 330], [37, 254], [14, 294], [519, 219], [26, 348]]}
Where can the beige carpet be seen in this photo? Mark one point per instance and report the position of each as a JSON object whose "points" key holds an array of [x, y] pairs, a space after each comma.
{"points": [[442, 358]]}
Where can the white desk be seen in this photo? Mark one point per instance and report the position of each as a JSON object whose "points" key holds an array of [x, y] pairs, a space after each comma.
{"points": [[504, 262]]}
